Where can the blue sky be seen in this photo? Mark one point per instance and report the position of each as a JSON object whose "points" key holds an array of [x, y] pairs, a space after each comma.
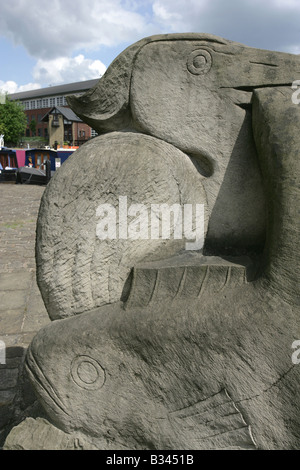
{"points": [[46, 42]]}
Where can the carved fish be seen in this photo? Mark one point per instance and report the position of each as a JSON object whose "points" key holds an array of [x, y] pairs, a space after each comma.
{"points": [[77, 269], [195, 355], [178, 63], [178, 374], [209, 120], [194, 91], [119, 400]]}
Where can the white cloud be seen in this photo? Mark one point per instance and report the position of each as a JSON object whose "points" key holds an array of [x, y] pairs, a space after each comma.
{"points": [[57, 28], [272, 24], [161, 12], [64, 28], [62, 34], [294, 49], [286, 3], [67, 70], [12, 87], [57, 71], [177, 15]]}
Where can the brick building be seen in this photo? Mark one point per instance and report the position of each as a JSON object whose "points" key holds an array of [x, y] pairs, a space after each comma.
{"points": [[49, 109], [65, 126]]}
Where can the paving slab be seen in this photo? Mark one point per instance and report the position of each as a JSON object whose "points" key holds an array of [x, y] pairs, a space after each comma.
{"points": [[22, 311]]}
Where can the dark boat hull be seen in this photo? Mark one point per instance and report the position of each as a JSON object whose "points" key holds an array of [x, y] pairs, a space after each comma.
{"points": [[31, 176], [8, 176]]}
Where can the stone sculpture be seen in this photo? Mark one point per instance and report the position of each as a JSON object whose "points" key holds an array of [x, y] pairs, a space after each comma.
{"points": [[153, 346]]}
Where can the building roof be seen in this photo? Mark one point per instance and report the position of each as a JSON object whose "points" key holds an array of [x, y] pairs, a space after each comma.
{"points": [[66, 112], [54, 90]]}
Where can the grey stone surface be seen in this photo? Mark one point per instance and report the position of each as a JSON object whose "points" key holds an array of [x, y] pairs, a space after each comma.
{"points": [[76, 270], [193, 90], [39, 434], [154, 347]]}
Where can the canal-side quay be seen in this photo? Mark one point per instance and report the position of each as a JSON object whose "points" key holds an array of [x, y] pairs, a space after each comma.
{"points": [[22, 311]]}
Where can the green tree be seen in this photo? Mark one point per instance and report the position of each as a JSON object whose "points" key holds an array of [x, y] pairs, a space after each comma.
{"points": [[32, 126], [13, 120]]}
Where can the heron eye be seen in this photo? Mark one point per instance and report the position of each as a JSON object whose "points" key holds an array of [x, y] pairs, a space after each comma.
{"points": [[199, 62], [87, 373]]}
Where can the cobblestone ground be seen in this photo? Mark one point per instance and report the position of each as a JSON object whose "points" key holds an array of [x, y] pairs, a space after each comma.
{"points": [[22, 312]]}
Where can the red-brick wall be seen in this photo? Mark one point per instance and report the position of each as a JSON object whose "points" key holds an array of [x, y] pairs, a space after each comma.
{"points": [[37, 114], [78, 129]]}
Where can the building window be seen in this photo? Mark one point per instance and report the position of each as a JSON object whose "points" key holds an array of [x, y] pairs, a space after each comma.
{"points": [[45, 102], [38, 104], [26, 104], [52, 101], [32, 104], [65, 102], [59, 100], [93, 133], [81, 133], [55, 120]]}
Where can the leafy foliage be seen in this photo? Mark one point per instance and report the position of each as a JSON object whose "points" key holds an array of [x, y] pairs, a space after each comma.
{"points": [[32, 126], [13, 120]]}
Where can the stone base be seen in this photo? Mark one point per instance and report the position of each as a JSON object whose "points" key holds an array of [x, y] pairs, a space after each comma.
{"points": [[39, 434]]}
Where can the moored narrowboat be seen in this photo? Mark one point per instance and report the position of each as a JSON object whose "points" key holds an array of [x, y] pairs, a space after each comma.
{"points": [[37, 169], [31, 166], [8, 165]]}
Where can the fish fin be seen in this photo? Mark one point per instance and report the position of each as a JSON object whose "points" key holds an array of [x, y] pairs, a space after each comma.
{"points": [[214, 423]]}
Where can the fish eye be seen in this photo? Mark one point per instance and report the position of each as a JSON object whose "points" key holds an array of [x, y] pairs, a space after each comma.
{"points": [[199, 62], [87, 373]]}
